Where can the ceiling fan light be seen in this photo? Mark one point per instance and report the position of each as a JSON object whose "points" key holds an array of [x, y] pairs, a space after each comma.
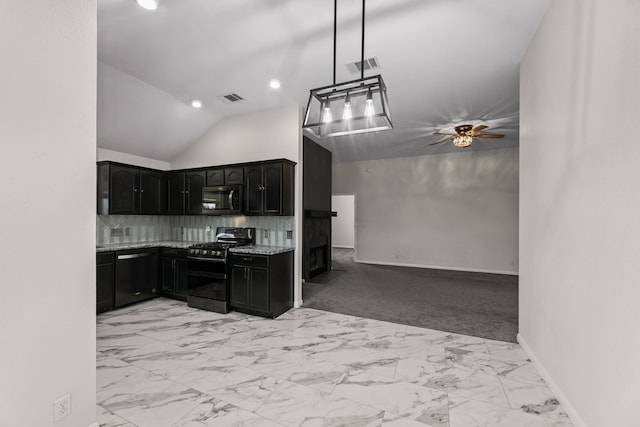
{"points": [[148, 4], [462, 141]]}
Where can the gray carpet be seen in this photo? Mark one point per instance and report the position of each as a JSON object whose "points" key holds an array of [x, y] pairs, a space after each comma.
{"points": [[478, 304]]}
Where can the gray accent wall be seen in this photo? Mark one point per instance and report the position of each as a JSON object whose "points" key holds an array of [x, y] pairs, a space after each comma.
{"points": [[455, 211]]}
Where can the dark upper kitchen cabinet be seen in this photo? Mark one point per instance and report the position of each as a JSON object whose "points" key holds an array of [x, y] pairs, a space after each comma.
{"points": [[225, 176], [184, 192], [269, 189], [124, 189], [262, 284], [105, 274]]}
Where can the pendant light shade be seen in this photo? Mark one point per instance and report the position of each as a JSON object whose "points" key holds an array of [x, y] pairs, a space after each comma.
{"points": [[352, 107]]}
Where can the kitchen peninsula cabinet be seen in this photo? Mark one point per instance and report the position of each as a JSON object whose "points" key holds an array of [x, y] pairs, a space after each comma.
{"points": [[262, 284], [184, 192], [269, 188], [105, 269], [129, 190]]}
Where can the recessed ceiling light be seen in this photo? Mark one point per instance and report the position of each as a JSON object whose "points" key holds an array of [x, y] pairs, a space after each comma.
{"points": [[148, 4], [196, 103], [274, 84]]}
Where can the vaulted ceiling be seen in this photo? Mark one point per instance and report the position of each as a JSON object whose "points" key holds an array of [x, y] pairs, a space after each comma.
{"points": [[445, 62]]}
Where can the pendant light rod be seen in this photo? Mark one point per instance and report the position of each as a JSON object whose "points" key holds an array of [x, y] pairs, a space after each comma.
{"points": [[335, 22], [362, 53]]}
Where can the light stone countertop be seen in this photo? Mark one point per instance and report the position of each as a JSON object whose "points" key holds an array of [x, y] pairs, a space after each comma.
{"points": [[261, 249], [181, 244]]}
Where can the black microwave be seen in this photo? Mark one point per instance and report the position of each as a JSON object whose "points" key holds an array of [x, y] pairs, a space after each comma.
{"points": [[224, 200]]}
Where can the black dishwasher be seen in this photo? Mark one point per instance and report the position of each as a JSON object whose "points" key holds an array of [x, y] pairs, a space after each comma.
{"points": [[136, 275]]}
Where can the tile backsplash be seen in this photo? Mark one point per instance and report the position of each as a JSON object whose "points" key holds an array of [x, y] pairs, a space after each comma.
{"points": [[149, 228]]}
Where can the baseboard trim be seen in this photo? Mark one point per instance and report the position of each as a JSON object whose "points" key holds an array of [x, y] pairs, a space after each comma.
{"points": [[94, 425], [555, 388], [342, 247], [437, 267]]}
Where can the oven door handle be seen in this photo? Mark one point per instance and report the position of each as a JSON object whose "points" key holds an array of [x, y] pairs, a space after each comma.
{"points": [[217, 260], [231, 199]]}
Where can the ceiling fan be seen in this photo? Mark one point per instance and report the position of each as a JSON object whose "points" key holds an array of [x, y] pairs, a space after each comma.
{"points": [[464, 135]]}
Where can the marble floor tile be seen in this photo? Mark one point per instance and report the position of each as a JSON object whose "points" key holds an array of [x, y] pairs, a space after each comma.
{"points": [[294, 405], [248, 394], [161, 363], [490, 364], [405, 399], [534, 399], [107, 418], [218, 413], [146, 399], [464, 382], [464, 412]]}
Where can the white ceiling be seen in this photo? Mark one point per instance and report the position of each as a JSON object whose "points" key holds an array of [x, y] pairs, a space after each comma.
{"points": [[445, 62]]}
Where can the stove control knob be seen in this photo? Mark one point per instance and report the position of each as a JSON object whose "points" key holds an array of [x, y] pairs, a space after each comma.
{"points": [[196, 251], [205, 252]]}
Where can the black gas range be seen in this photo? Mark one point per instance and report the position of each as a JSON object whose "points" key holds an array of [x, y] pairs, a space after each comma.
{"points": [[208, 270]]}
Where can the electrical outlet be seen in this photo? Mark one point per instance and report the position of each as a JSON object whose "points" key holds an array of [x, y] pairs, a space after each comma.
{"points": [[289, 234], [61, 408], [208, 229], [117, 232], [127, 231], [266, 234]]}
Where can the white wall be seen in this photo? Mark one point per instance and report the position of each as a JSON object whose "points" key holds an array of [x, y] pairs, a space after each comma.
{"points": [[455, 211], [343, 225], [263, 135], [47, 239], [260, 135], [130, 159], [580, 205]]}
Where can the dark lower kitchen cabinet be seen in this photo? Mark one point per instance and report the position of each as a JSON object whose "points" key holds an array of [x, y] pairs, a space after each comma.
{"points": [[173, 273], [262, 284], [136, 275], [105, 270], [184, 192], [269, 188], [125, 189]]}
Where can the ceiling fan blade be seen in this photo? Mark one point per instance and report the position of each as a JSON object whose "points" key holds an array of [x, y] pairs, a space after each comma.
{"points": [[488, 135], [442, 133], [443, 140], [478, 129]]}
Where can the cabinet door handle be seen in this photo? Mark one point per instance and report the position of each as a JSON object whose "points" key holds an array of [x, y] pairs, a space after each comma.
{"points": [[135, 190], [137, 293], [142, 191], [245, 272]]}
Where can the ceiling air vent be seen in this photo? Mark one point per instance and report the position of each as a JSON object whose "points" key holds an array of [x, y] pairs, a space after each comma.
{"points": [[369, 64], [232, 97]]}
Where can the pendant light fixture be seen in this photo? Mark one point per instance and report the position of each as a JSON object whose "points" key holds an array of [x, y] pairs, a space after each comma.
{"points": [[352, 107]]}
